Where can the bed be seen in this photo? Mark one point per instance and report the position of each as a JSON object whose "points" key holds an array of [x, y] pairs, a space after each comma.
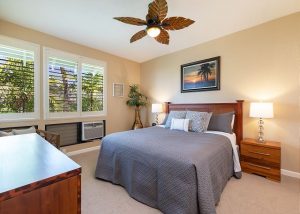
{"points": [[173, 171]]}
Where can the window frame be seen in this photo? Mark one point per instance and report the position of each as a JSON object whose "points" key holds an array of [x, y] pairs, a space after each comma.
{"points": [[35, 48], [50, 52], [85, 60]]}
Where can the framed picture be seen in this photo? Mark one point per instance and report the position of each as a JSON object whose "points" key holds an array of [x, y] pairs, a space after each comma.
{"points": [[118, 89], [202, 75]]}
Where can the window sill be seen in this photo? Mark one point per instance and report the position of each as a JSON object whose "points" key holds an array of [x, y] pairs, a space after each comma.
{"points": [[19, 120], [74, 119]]}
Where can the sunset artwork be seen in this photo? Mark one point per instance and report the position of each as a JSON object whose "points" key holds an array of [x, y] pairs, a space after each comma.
{"points": [[200, 76]]}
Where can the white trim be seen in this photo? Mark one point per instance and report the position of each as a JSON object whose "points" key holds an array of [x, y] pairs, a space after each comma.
{"points": [[290, 173], [18, 117], [79, 88], [45, 84], [77, 152], [19, 43], [35, 48]]}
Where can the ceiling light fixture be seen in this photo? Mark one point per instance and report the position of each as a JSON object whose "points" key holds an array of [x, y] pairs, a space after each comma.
{"points": [[153, 31], [157, 24]]}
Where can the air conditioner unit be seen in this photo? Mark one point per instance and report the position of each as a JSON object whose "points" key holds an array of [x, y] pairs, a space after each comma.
{"points": [[92, 130]]}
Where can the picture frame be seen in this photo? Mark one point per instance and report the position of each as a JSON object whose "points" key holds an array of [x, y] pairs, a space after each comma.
{"points": [[203, 75], [118, 89]]}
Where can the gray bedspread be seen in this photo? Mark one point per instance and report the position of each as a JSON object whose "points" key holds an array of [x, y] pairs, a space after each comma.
{"points": [[173, 171]]}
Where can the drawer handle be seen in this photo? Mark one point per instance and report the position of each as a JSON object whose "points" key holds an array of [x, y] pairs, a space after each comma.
{"points": [[263, 167], [260, 153]]}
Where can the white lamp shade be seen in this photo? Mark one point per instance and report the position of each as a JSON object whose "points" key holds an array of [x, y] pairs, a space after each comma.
{"points": [[157, 108], [261, 110]]}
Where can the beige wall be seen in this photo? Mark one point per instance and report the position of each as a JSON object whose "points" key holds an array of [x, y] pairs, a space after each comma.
{"points": [[261, 63], [119, 116]]}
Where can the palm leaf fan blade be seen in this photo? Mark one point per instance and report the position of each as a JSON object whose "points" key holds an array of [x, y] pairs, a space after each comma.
{"points": [[138, 36], [163, 37], [176, 23], [158, 9], [131, 20]]}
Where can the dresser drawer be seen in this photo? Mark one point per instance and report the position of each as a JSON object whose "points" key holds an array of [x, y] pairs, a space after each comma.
{"points": [[268, 172], [261, 153], [260, 162]]}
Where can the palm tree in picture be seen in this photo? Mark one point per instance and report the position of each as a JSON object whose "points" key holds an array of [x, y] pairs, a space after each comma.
{"points": [[205, 70]]}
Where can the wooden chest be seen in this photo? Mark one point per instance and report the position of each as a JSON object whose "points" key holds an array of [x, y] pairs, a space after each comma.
{"points": [[37, 178]]}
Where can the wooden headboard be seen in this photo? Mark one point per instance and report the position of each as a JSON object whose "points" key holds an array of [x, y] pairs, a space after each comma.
{"points": [[218, 108]]}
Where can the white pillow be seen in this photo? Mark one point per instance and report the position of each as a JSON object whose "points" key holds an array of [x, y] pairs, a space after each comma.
{"points": [[180, 124], [24, 131], [4, 134], [232, 121]]}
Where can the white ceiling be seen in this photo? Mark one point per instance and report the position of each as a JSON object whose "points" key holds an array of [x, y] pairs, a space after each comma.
{"points": [[90, 23]]}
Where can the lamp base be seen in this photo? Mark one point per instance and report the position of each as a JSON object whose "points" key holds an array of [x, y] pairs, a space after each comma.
{"points": [[261, 131], [156, 118], [260, 140]]}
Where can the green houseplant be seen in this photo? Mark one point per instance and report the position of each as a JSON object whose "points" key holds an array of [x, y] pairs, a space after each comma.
{"points": [[137, 100]]}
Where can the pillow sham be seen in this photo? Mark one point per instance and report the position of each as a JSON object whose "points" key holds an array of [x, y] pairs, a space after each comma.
{"points": [[165, 120], [180, 124], [232, 121], [24, 131], [221, 122], [198, 120], [175, 115], [4, 134]]}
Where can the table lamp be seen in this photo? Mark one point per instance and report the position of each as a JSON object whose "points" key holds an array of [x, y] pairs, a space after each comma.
{"points": [[157, 108], [261, 110]]}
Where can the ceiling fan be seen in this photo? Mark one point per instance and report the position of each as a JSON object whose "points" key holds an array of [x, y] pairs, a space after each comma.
{"points": [[156, 23]]}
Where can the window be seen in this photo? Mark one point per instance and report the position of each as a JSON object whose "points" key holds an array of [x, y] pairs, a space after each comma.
{"points": [[63, 82], [19, 78], [75, 85], [92, 88]]}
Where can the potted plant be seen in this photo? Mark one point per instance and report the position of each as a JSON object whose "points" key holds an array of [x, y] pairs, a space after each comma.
{"points": [[137, 100]]}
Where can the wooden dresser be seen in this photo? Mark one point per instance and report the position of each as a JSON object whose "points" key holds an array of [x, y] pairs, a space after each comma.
{"points": [[37, 178], [261, 158]]}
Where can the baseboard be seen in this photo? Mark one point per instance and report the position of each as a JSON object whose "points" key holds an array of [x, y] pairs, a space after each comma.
{"points": [[290, 173], [77, 152]]}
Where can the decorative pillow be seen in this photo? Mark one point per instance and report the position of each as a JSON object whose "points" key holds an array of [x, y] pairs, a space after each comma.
{"points": [[232, 122], [165, 120], [199, 120], [4, 134], [24, 131], [180, 124], [176, 115], [221, 122]]}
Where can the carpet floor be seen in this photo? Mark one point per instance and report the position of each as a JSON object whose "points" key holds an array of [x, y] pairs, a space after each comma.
{"points": [[250, 195]]}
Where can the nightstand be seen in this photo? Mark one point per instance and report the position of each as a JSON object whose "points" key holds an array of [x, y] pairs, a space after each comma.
{"points": [[261, 158]]}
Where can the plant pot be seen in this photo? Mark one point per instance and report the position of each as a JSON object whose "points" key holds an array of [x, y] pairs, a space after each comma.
{"points": [[137, 121]]}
